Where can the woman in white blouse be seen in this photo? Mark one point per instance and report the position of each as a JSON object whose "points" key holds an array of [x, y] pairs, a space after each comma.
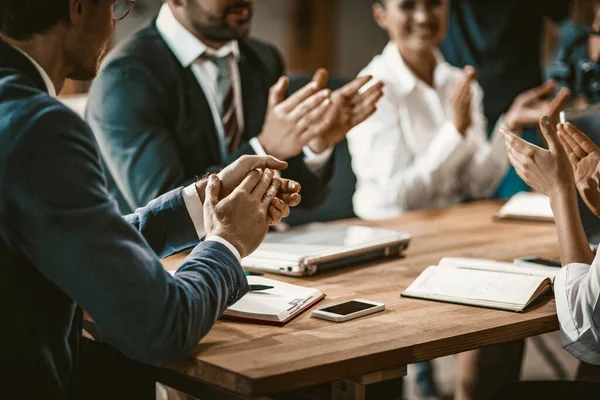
{"points": [[426, 145], [571, 161]]}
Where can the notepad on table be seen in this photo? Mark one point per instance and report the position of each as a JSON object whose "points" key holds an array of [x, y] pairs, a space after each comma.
{"points": [[483, 283], [527, 206], [276, 306]]}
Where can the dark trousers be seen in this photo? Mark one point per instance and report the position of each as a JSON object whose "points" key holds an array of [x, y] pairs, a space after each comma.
{"points": [[105, 373]]}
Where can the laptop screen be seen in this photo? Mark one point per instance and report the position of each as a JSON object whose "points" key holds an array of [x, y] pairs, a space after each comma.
{"points": [[588, 121]]}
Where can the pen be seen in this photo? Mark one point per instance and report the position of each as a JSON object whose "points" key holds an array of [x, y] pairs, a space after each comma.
{"points": [[252, 273], [258, 288]]}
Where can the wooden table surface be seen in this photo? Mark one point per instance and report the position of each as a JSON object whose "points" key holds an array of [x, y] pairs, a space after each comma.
{"points": [[255, 360]]}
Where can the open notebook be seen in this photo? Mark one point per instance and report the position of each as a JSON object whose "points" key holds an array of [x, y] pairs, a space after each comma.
{"points": [[527, 206], [276, 306], [483, 283]]}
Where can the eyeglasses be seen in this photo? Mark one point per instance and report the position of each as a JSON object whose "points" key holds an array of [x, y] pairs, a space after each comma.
{"points": [[121, 9]]}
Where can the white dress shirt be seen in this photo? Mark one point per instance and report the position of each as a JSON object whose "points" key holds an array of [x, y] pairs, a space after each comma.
{"points": [[191, 199], [188, 49], [577, 293], [409, 155]]}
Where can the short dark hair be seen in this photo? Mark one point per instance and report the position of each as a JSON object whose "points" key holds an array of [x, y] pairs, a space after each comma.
{"points": [[21, 19]]}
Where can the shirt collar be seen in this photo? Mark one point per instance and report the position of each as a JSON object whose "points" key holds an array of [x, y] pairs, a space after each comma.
{"points": [[187, 47], [405, 78], [45, 77]]}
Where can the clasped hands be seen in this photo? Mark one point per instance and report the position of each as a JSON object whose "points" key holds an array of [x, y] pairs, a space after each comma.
{"points": [[245, 198], [315, 116]]}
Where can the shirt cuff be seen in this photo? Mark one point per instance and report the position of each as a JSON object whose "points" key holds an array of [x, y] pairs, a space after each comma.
{"points": [[194, 207], [315, 161], [258, 149], [225, 243]]}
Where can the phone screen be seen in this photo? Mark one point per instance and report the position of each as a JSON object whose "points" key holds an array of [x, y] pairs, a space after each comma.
{"points": [[348, 307], [541, 261]]}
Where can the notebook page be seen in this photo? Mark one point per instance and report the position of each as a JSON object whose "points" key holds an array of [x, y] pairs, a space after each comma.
{"points": [[470, 284], [499, 266], [273, 304]]}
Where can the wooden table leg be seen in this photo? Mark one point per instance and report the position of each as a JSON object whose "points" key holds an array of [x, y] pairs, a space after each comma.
{"points": [[362, 387]]}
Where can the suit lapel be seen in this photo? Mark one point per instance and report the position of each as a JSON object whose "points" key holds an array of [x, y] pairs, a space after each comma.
{"points": [[254, 95], [12, 58]]}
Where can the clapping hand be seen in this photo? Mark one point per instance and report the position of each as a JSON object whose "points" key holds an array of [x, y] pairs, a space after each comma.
{"points": [[461, 101], [240, 217], [584, 156], [288, 194], [530, 106], [547, 171], [351, 106], [290, 124]]}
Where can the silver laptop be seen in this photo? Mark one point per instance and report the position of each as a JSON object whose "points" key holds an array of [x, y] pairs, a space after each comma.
{"points": [[318, 247], [588, 121]]}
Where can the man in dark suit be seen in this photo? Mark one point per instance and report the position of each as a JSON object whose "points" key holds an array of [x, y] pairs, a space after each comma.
{"points": [[191, 92], [64, 247]]}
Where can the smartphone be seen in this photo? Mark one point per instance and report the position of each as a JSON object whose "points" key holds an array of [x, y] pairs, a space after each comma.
{"points": [[348, 310], [536, 261]]}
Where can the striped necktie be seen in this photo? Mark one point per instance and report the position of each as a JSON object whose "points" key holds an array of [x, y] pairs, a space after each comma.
{"points": [[226, 102]]}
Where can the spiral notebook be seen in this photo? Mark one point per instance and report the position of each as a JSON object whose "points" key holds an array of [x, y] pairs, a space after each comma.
{"points": [[276, 306]]}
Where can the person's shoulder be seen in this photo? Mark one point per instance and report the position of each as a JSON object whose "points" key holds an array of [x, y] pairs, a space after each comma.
{"points": [[260, 51], [34, 120], [380, 69], [376, 68], [143, 50]]}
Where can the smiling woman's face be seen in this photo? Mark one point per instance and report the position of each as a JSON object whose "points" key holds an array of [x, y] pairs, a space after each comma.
{"points": [[414, 24]]}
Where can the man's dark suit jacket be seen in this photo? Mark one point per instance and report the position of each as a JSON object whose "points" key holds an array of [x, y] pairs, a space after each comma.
{"points": [[156, 130], [65, 247]]}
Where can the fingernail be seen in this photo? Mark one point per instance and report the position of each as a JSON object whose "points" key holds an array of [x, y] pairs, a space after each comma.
{"points": [[545, 121]]}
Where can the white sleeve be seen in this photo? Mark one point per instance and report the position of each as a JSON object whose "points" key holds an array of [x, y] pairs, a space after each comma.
{"points": [[390, 179], [577, 293], [194, 207], [489, 163], [315, 162]]}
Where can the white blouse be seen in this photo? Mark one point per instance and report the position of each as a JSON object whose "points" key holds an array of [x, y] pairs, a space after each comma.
{"points": [[577, 293], [409, 155]]}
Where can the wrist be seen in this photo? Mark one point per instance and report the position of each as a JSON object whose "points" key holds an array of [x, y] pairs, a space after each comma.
{"points": [[317, 147], [235, 243], [510, 122], [265, 143], [460, 128], [564, 195]]}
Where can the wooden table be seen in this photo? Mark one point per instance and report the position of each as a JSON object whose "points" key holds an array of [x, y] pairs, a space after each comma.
{"points": [[254, 360]]}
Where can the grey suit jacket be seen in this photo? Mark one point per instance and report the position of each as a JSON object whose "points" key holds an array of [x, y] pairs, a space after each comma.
{"points": [[65, 247]]}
